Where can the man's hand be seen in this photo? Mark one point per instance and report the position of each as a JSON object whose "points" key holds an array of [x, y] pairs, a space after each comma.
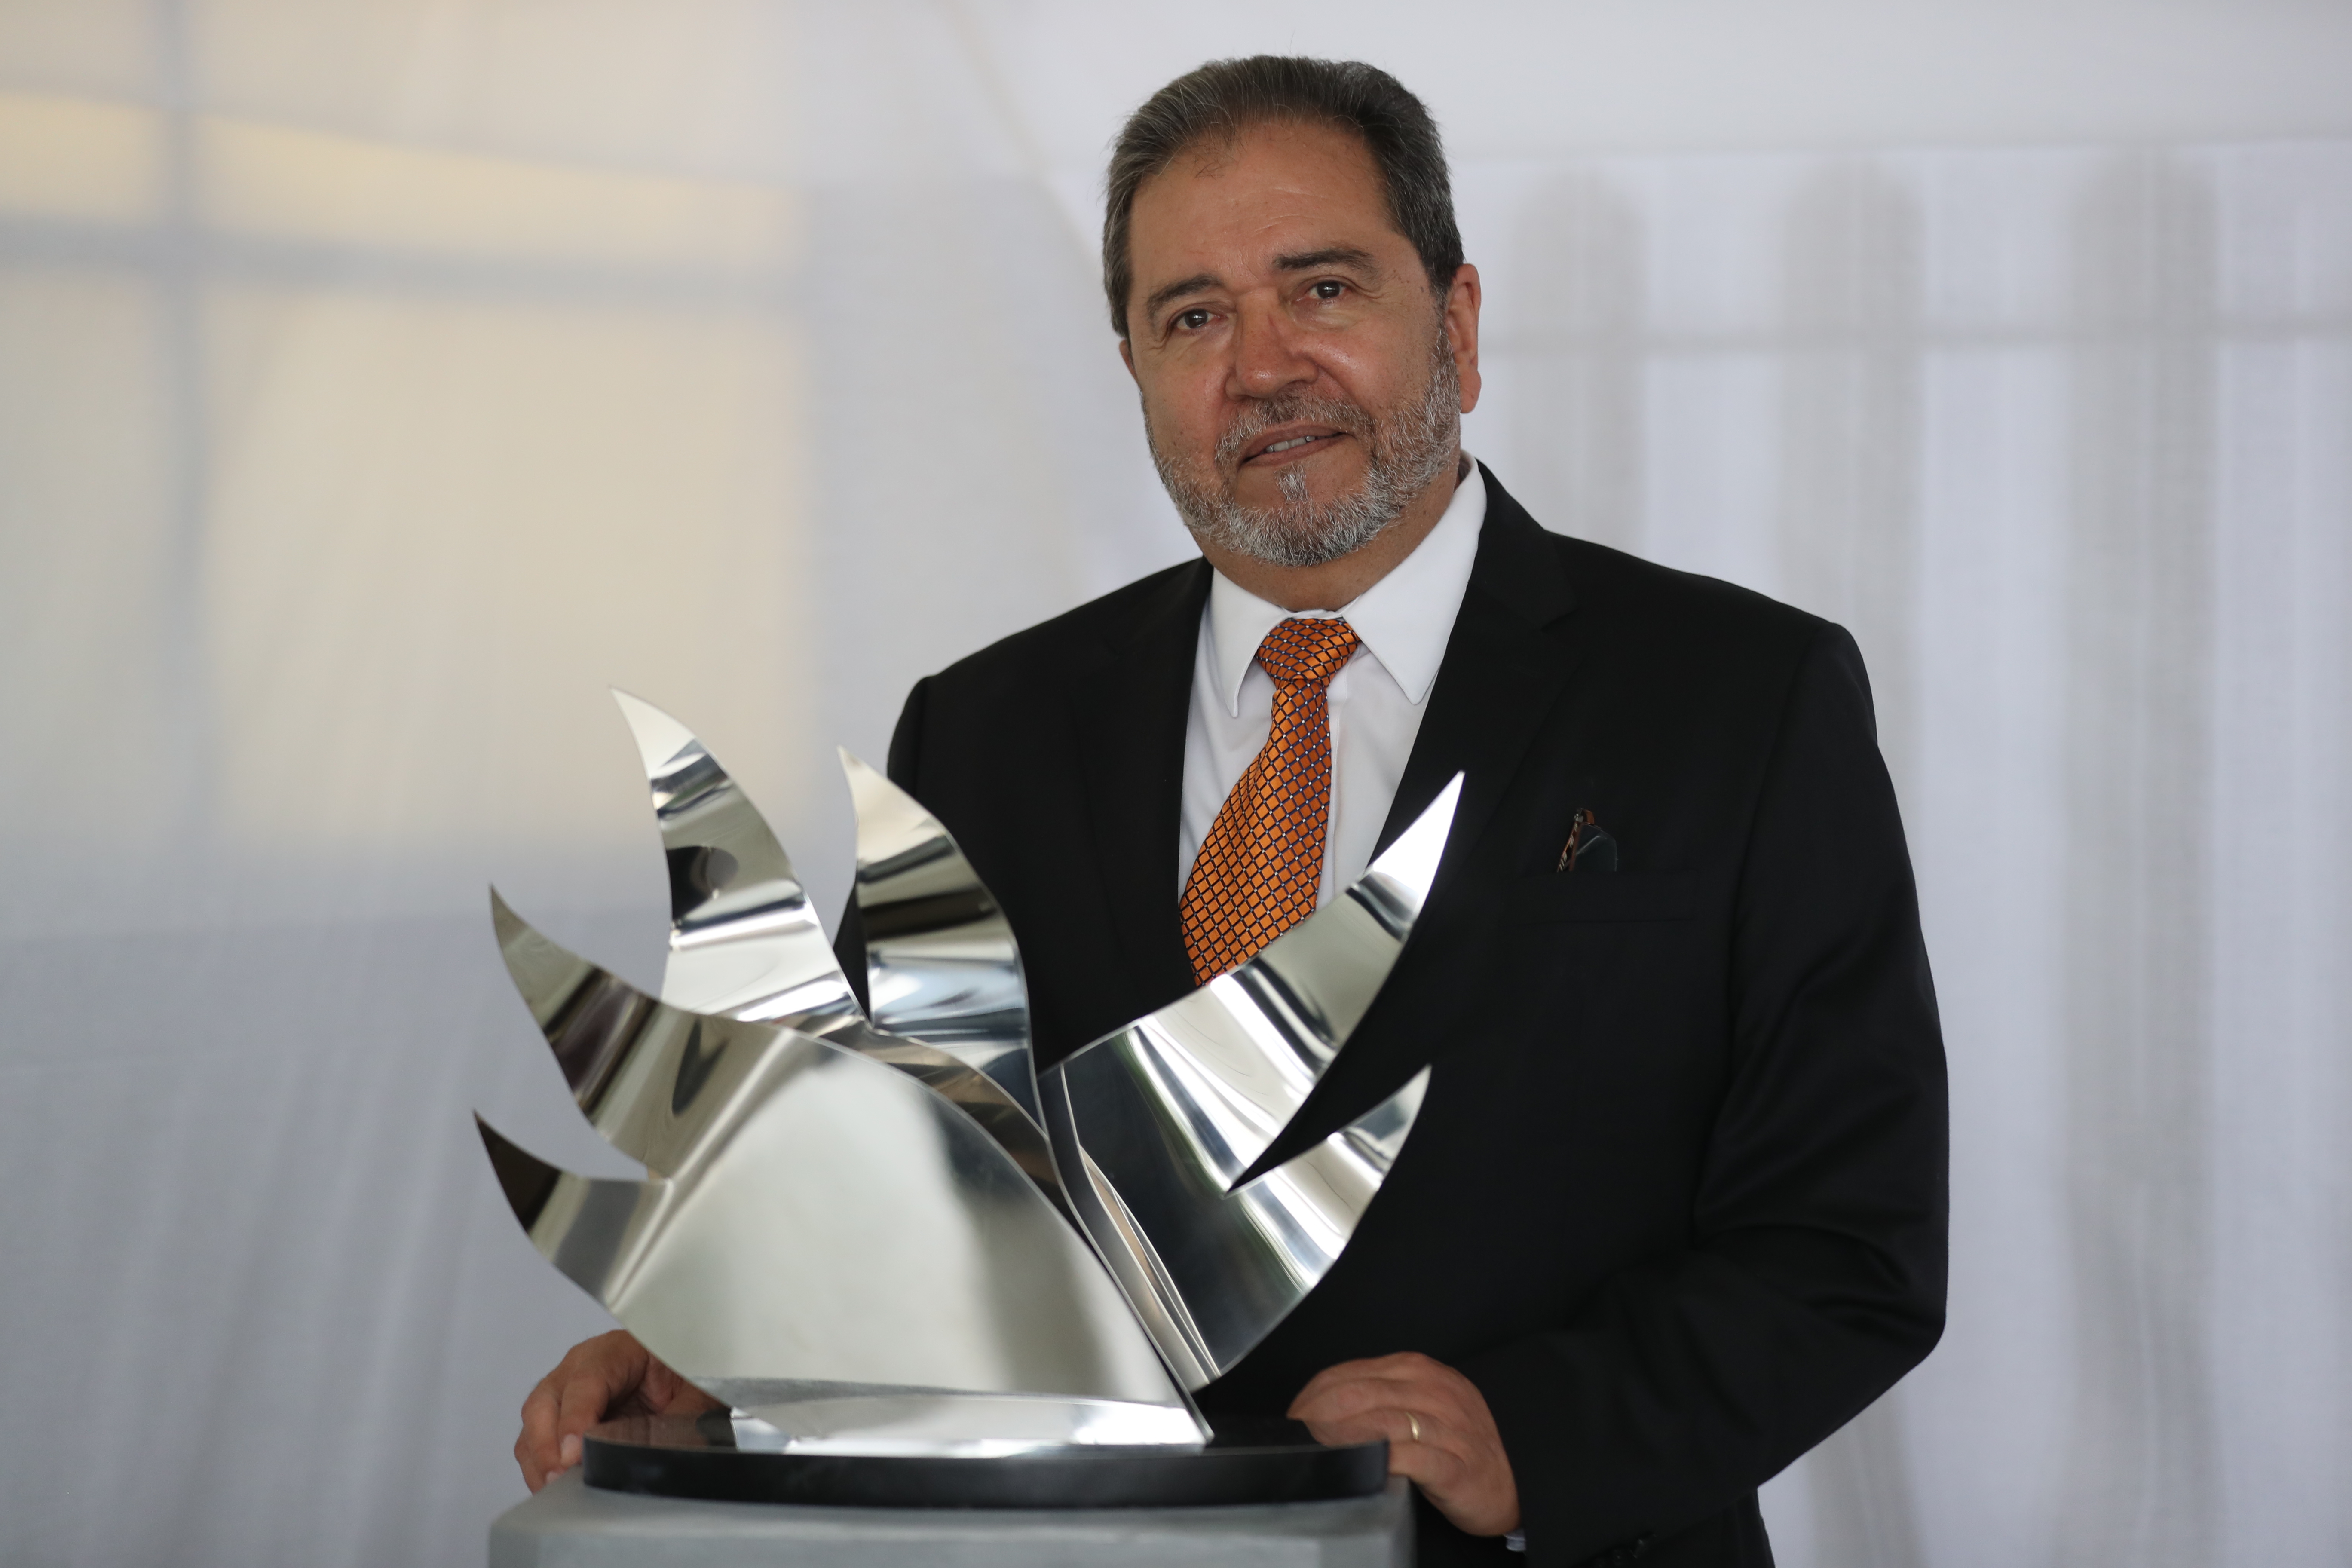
{"points": [[609, 1376], [1441, 1434]]}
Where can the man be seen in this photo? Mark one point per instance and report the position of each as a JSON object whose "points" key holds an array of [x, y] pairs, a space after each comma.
{"points": [[1673, 1209]]}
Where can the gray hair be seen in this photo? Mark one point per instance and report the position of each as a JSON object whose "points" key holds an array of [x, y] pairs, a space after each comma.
{"points": [[1224, 98]]}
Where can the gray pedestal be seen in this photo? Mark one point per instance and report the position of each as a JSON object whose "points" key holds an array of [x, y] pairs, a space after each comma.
{"points": [[570, 1525]]}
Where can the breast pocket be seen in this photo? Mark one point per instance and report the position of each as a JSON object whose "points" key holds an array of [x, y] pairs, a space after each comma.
{"points": [[1569, 898]]}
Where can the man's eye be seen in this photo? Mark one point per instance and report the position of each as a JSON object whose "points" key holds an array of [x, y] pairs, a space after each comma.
{"points": [[1329, 289], [1192, 321]]}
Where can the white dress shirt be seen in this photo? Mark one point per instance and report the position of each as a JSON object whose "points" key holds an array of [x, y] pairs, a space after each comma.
{"points": [[1402, 624]]}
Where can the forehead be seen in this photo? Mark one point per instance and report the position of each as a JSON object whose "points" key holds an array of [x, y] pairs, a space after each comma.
{"points": [[1229, 205]]}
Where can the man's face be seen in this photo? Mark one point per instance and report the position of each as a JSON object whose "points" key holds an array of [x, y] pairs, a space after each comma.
{"points": [[1301, 384]]}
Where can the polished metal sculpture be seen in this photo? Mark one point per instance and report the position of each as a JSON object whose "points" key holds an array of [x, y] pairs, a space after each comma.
{"points": [[879, 1230], [1167, 1117]]}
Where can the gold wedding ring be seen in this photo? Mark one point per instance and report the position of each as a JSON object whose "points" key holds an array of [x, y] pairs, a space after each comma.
{"points": [[1413, 1424]]}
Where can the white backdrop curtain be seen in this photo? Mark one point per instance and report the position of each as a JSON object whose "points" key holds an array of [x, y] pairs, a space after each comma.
{"points": [[380, 380]]}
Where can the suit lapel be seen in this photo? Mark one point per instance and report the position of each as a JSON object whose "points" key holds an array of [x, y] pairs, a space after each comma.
{"points": [[1131, 708], [1499, 679]]}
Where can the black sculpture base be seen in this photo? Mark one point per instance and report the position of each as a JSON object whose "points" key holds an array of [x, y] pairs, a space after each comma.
{"points": [[696, 1457]]}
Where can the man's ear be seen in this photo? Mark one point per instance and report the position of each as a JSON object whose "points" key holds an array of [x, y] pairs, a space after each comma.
{"points": [[1461, 301], [1126, 358]]}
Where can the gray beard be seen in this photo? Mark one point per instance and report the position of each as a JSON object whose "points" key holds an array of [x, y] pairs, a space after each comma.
{"points": [[1406, 449]]}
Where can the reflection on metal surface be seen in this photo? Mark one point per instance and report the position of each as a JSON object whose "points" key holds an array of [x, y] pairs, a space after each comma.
{"points": [[814, 1215], [858, 1231], [743, 941], [942, 966], [745, 944], [1167, 1115], [977, 1427], [618, 1049]]}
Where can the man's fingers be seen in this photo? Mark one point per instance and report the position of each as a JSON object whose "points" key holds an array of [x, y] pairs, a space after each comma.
{"points": [[1440, 1432], [539, 1410], [576, 1403], [1404, 1364], [577, 1394], [1402, 1425], [581, 1403], [535, 1448], [660, 1385], [1432, 1460], [664, 1392], [1352, 1396]]}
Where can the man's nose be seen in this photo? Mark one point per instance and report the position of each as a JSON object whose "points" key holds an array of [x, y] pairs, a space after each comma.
{"points": [[1268, 357]]}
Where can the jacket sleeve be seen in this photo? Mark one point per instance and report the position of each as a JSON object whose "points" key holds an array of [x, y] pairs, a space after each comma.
{"points": [[1814, 1273]]}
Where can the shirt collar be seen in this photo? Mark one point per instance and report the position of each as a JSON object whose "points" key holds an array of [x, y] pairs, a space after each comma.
{"points": [[1403, 620]]}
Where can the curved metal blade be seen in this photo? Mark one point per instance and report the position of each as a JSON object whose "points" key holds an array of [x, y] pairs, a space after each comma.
{"points": [[941, 965], [745, 944], [590, 1227], [668, 1086], [1165, 1116], [854, 1228], [743, 939]]}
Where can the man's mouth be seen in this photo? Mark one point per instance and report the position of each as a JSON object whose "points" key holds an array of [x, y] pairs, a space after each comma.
{"points": [[1291, 444]]}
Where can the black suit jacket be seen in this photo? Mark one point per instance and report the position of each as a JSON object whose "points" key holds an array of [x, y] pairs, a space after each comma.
{"points": [[1675, 1201]]}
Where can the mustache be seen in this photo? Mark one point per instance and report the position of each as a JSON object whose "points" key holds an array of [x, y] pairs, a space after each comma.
{"points": [[1291, 407]]}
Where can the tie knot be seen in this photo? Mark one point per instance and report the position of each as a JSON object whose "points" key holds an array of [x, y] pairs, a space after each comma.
{"points": [[1302, 650]]}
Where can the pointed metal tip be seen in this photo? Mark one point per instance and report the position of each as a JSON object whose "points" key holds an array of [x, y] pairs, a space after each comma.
{"points": [[526, 1180], [503, 920], [1412, 859], [1378, 1136], [520, 942], [889, 820], [659, 736], [550, 977], [635, 708]]}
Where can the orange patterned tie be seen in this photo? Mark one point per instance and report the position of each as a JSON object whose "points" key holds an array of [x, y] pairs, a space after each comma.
{"points": [[1258, 870]]}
